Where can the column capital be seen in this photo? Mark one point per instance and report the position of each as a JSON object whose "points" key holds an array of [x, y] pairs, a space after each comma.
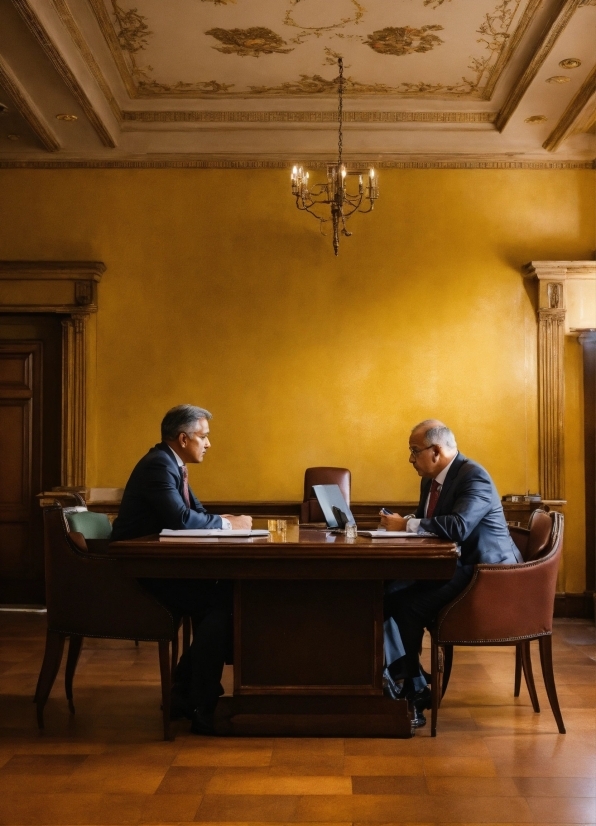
{"points": [[559, 270]]}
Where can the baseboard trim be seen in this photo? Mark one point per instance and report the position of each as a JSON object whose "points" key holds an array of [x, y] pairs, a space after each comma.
{"points": [[574, 605]]}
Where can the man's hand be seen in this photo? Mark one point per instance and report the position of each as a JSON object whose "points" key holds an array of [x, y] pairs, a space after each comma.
{"points": [[393, 522], [239, 523]]}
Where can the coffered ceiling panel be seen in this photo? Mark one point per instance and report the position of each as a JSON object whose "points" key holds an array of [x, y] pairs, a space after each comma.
{"points": [[440, 82], [442, 49]]}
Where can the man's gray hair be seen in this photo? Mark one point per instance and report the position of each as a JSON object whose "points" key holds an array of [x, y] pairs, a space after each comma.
{"points": [[180, 419], [436, 433]]}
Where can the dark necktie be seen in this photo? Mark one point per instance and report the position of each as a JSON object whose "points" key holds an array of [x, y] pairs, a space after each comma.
{"points": [[433, 498], [185, 494]]}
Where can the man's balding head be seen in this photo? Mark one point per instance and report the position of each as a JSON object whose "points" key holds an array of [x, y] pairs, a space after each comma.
{"points": [[432, 447]]}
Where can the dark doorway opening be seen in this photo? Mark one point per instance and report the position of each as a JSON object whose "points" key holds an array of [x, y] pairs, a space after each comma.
{"points": [[30, 446]]}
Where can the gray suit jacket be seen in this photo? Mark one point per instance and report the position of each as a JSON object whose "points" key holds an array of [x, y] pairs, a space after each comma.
{"points": [[469, 512]]}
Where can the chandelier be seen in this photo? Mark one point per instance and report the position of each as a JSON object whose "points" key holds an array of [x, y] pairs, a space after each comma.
{"points": [[334, 192]]}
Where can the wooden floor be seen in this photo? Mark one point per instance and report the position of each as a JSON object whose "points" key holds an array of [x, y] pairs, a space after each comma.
{"points": [[494, 760]]}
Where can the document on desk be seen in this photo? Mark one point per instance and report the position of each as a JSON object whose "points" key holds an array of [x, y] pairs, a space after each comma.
{"points": [[388, 534], [212, 533]]}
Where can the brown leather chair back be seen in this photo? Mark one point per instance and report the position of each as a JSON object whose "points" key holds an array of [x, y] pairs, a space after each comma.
{"points": [[520, 536], [505, 603], [88, 595], [311, 510], [540, 529]]}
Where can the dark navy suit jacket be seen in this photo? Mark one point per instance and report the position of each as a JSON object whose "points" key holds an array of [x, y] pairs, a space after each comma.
{"points": [[153, 500], [469, 512]]}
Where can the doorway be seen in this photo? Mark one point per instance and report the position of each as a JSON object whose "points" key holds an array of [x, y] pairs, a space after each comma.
{"points": [[30, 446]]}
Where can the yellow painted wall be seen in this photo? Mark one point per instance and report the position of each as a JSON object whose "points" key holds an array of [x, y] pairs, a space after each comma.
{"points": [[218, 292]]}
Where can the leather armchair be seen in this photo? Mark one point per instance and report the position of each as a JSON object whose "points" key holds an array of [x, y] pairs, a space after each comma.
{"points": [[311, 510], [507, 605], [87, 596]]}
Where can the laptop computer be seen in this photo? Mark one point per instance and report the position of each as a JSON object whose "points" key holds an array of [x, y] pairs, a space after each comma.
{"points": [[335, 508]]}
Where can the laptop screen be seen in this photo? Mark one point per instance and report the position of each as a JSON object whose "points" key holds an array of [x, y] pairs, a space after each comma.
{"points": [[335, 508]]}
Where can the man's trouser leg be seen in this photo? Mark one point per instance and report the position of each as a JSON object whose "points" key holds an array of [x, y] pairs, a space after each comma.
{"points": [[209, 604], [414, 609]]}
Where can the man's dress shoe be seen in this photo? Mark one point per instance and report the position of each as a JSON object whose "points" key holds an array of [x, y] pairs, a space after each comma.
{"points": [[420, 700], [202, 723]]}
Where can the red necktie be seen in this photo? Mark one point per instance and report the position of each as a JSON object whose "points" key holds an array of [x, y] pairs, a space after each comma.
{"points": [[433, 498], [185, 494]]}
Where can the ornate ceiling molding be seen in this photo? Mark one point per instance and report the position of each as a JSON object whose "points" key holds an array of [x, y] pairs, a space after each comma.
{"points": [[182, 162], [573, 113], [129, 34], [28, 110], [306, 117], [552, 32], [52, 52]]}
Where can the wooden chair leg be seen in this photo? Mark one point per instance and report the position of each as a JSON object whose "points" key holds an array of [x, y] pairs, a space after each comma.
{"points": [[529, 674], [448, 663], [186, 626], [49, 669], [74, 650], [546, 661], [518, 670], [174, 653], [434, 685], [166, 685]]}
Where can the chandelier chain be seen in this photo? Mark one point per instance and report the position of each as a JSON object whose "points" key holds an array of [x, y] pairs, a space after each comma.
{"points": [[340, 111]]}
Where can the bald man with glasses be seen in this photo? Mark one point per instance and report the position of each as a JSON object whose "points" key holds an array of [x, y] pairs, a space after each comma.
{"points": [[458, 502]]}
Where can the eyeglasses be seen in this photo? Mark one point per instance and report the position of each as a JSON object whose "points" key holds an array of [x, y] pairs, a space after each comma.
{"points": [[415, 451]]}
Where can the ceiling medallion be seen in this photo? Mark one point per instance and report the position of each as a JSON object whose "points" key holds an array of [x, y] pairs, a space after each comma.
{"points": [[558, 79], [570, 63], [68, 118], [335, 193], [536, 119]]}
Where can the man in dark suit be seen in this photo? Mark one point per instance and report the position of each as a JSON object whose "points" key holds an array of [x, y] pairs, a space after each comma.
{"points": [[158, 496], [458, 502]]}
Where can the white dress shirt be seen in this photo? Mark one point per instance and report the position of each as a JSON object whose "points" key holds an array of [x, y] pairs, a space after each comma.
{"points": [[413, 525], [225, 523]]}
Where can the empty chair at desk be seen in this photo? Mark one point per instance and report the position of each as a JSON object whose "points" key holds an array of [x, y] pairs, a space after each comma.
{"points": [[507, 605], [311, 510], [87, 596]]}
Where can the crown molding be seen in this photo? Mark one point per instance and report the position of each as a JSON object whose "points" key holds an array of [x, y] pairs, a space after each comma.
{"points": [[132, 116], [572, 114], [183, 162], [556, 26], [28, 110], [53, 54]]}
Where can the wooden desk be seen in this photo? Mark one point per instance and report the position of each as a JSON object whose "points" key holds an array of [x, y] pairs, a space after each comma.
{"points": [[308, 639]]}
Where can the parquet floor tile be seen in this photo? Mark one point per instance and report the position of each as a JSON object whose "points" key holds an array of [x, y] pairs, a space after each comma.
{"points": [[493, 762]]}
